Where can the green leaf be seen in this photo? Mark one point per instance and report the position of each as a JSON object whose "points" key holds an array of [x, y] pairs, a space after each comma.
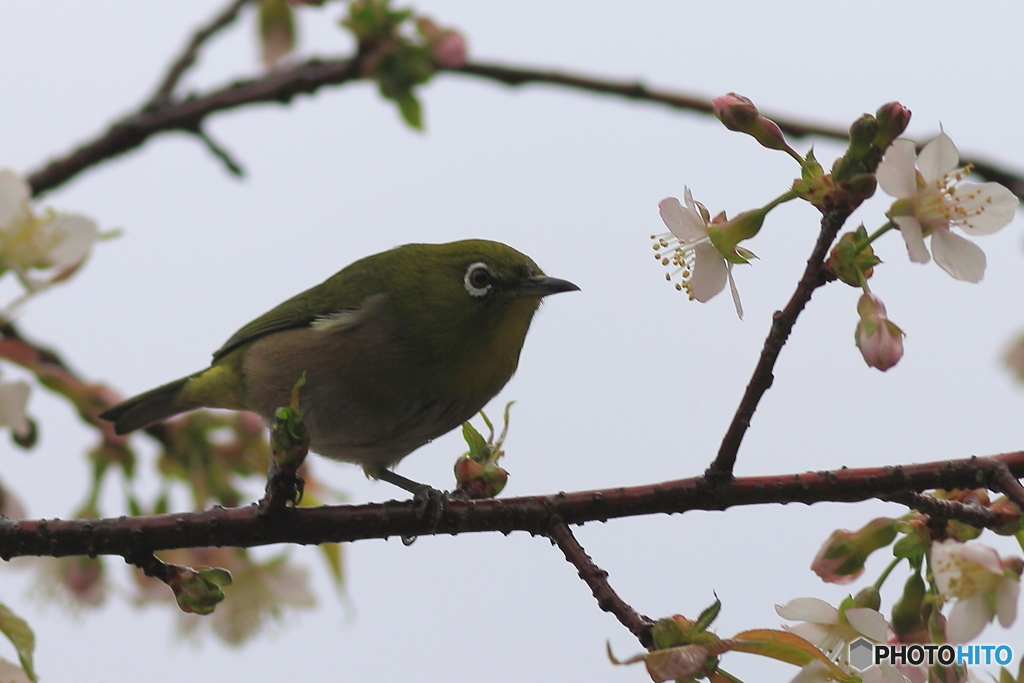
{"points": [[477, 444], [785, 647], [20, 634], [332, 553], [411, 111]]}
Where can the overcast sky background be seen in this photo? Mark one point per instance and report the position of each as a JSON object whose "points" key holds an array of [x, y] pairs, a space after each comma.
{"points": [[623, 383]]}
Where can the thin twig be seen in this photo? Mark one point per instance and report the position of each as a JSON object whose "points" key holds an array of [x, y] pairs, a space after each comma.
{"points": [[246, 527], [595, 577], [188, 56], [782, 325]]}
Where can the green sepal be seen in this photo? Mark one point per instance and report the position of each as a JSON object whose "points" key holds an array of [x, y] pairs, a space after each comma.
{"points": [[906, 613], [478, 449], [911, 547], [708, 616], [288, 434], [21, 636], [810, 168]]}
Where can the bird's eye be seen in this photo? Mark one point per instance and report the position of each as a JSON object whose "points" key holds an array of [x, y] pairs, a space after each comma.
{"points": [[479, 279]]}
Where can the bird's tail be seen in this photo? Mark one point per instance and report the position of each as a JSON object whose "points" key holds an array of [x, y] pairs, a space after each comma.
{"points": [[152, 406]]}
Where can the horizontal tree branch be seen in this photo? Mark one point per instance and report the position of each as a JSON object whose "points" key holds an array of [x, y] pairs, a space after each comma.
{"points": [[160, 116], [249, 527]]}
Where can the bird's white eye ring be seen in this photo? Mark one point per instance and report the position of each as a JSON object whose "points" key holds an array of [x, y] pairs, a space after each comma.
{"points": [[479, 279]]}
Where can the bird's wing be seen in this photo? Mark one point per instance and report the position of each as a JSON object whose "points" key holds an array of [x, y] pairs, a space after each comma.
{"points": [[336, 303]]}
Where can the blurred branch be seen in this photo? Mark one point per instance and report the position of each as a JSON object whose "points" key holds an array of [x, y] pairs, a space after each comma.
{"points": [[248, 526], [188, 56], [188, 115], [595, 577], [282, 86], [635, 90]]}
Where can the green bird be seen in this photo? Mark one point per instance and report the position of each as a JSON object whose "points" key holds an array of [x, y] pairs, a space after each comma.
{"points": [[397, 349]]}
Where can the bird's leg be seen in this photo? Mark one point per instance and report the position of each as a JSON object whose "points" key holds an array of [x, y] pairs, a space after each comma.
{"points": [[431, 501]]}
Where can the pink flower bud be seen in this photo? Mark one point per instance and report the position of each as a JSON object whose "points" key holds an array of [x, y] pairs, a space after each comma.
{"points": [[738, 113], [447, 46], [892, 121], [880, 341], [841, 558]]}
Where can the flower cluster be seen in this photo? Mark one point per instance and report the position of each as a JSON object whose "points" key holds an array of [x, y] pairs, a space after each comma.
{"points": [[931, 200], [946, 567]]}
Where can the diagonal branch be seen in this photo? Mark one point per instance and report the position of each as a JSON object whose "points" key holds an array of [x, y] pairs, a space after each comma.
{"points": [[782, 325], [595, 577], [188, 115], [246, 527], [188, 56]]}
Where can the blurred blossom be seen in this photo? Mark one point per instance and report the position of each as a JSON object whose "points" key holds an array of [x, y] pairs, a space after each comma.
{"points": [[259, 591], [983, 585], [1014, 358], [12, 673], [52, 240], [13, 399], [447, 46], [930, 199]]}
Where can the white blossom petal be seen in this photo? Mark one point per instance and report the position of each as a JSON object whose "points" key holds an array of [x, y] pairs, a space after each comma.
{"points": [[989, 207], [710, 272], [959, 257], [814, 610], [882, 673], [910, 228], [868, 622], [896, 174], [734, 292], [75, 235], [684, 223], [1007, 594], [967, 618], [14, 192], [816, 671], [815, 634], [938, 158]]}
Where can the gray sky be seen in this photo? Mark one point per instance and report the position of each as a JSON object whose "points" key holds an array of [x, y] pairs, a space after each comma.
{"points": [[623, 383]]}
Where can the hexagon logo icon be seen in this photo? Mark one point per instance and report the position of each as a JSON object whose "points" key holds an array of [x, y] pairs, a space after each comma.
{"points": [[860, 654]]}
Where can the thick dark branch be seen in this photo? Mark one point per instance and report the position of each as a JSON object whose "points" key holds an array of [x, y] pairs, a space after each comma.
{"points": [[248, 527], [188, 115], [188, 56], [595, 577], [782, 326]]}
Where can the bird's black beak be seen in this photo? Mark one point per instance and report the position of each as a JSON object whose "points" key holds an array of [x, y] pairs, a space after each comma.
{"points": [[542, 285]]}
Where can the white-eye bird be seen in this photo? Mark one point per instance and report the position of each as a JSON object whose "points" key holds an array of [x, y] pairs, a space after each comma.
{"points": [[398, 348]]}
